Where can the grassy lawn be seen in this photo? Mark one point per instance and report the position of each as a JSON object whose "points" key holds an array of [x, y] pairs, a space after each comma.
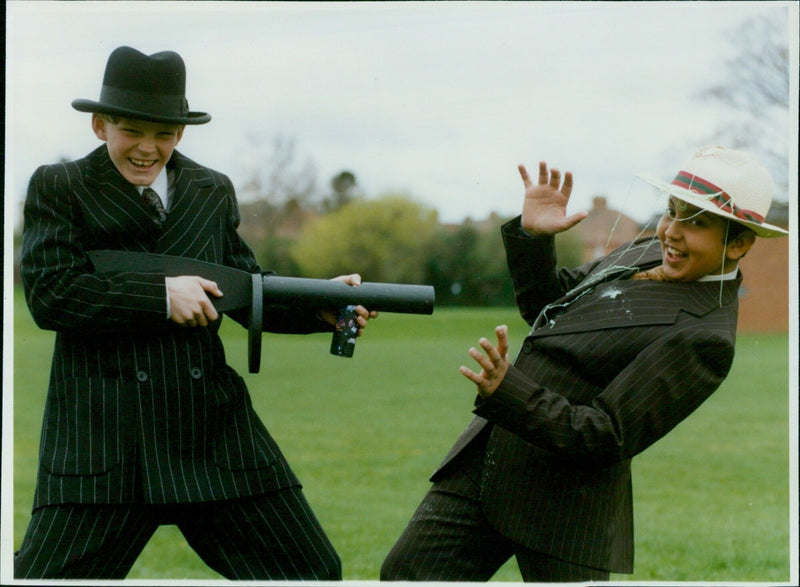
{"points": [[363, 434]]}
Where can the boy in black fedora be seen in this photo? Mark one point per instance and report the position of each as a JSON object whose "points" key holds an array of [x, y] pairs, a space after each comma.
{"points": [[145, 423]]}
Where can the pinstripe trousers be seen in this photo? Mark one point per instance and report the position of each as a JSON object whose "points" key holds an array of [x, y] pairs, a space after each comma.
{"points": [[274, 536], [449, 538]]}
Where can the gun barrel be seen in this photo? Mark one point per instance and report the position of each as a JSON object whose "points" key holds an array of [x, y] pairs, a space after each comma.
{"points": [[254, 291], [334, 294]]}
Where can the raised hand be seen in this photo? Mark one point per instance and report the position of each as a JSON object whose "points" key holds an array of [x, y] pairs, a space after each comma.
{"points": [[544, 210], [494, 364]]}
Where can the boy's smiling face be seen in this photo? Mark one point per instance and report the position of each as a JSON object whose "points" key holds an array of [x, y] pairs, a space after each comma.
{"points": [[693, 243], [139, 148]]}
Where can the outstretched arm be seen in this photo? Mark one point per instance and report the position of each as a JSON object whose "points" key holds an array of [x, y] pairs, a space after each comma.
{"points": [[674, 369]]}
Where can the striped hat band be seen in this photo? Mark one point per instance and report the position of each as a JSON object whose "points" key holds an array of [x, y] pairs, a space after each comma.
{"points": [[716, 195]]}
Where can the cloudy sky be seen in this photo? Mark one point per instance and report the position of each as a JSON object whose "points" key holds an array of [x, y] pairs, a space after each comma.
{"points": [[438, 100]]}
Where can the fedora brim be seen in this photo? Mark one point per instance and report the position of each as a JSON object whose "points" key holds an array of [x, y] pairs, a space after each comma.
{"points": [[99, 107], [761, 229]]}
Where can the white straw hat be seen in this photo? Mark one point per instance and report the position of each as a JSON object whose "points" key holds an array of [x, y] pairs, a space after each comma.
{"points": [[729, 183]]}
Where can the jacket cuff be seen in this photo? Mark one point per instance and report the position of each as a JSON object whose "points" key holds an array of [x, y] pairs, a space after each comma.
{"points": [[513, 229], [509, 402]]}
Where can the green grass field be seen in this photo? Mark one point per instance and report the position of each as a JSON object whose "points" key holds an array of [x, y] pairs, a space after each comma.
{"points": [[363, 434]]}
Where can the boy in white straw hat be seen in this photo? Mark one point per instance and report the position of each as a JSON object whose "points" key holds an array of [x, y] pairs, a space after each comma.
{"points": [[621, 350]]}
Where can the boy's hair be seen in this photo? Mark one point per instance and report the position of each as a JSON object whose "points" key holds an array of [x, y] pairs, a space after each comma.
{"points": [[735, 229]]}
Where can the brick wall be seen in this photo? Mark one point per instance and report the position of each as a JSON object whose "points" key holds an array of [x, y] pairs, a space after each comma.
{"points": [[764, 296]]}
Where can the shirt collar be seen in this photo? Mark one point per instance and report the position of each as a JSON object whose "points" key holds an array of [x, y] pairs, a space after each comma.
{"points": [[160, 185], [723, 277]]}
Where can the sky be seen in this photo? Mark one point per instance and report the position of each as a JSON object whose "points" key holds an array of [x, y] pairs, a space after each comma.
{"points": [[439, 101]]}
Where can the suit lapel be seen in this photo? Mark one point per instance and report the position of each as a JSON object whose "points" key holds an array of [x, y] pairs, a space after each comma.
{"points": [[112, 191], [121, 209], [196, 214], [113, 204], [600, 302], [190, 180]]}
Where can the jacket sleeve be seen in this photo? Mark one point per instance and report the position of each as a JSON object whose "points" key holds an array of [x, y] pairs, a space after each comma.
{"points": [[533, 268], [60, 288], [665, 383]]}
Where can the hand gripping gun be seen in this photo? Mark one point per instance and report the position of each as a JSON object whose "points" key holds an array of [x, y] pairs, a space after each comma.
{"points": [[254, 291]]}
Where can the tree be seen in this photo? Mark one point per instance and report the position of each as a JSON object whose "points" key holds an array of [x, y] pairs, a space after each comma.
{"points": [[276, 186], [467, 267], [385, 239], [275, 199], [756, 87], [344, 186], [276, 176]]}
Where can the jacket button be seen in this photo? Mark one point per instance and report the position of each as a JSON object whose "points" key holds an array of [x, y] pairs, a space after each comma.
{"points": [[196, 373], [527, 347], [141, 376]]}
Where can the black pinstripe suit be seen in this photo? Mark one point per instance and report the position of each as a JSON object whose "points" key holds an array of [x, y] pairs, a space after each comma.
{"points": [[607, 370], [139, 410]]}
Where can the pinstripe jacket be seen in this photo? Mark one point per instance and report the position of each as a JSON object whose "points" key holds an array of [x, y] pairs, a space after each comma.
{"points": [[139, 409], [607, 370]]}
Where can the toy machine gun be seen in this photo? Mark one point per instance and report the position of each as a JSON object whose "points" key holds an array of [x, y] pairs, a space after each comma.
{"points": [[253, 291]]}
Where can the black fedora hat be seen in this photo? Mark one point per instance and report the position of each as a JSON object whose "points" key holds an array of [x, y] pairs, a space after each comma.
{"points": [[145, 87]]}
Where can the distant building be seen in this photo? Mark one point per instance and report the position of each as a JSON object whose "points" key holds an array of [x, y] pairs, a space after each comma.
{"points": [[605, 229], [764, 296]]}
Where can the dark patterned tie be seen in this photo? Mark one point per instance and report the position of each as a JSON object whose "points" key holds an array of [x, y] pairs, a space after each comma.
{"points": [[159, 213]]}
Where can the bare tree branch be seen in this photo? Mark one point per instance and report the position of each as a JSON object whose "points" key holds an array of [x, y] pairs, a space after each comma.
{"points": [[755, 85]]}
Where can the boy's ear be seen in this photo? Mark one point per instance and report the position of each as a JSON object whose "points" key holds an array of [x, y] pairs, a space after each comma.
{"points": [[738, 247], [99, 126]]}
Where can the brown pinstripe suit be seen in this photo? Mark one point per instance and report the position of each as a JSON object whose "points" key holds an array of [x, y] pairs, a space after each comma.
{"points": [[140, 410], [607, 370]]}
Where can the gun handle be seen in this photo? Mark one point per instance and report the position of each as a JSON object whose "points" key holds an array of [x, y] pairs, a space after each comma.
{"points": [[343, 341]]}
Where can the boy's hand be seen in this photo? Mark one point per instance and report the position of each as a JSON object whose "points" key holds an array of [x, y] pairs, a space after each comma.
{"points": [[189, 304], [545, 206], [494, 364], [353, 279]]}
